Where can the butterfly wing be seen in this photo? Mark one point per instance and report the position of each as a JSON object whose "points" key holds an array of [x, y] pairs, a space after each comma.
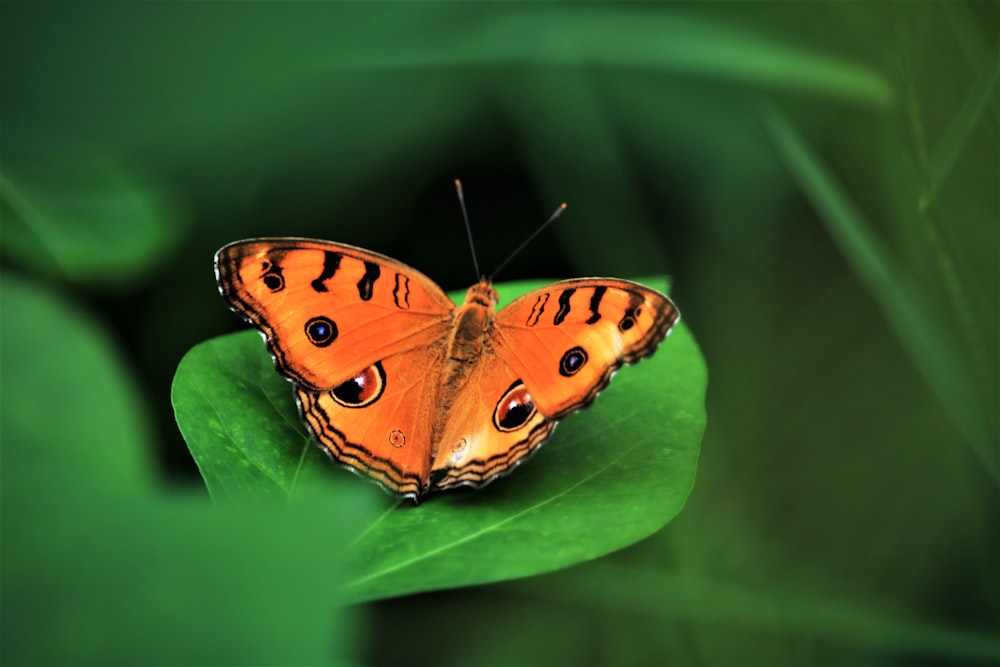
{"points": [[551, 351], [565, 341], [405, 426], [330, 310], [383, 427], [490, 427], [365, 339]]}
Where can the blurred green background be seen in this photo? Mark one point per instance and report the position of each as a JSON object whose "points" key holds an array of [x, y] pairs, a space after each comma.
{"points": [[819, 179]]}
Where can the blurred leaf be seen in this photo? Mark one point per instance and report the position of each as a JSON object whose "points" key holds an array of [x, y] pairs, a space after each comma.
{"points": [[83, 218], [969, 37], [99, 569], [950, 145], [933, 351], [63, 382], [668, 42], [148, 581], [608, 478]]}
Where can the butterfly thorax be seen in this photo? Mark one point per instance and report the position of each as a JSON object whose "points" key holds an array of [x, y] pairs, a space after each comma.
{"points": [[473, 321]]}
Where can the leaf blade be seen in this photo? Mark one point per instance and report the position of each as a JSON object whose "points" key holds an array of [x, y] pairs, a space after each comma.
{"points": [[605, 480], [933, 351]]}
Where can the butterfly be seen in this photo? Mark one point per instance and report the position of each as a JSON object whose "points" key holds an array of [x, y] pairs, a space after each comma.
{"points": [[398, 383]]}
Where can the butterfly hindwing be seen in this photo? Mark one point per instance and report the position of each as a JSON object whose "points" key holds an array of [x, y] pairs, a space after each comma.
{"points": [[401, 426], [491, 428], [381, 423]]}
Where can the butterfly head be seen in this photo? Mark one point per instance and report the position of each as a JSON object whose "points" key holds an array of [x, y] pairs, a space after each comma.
{"points": [[483, 294]]}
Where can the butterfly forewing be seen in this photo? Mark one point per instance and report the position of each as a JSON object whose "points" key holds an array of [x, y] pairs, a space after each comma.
{"points": [[329, 310]]}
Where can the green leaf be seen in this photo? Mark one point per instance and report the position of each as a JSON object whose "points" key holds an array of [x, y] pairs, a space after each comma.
{"points": [[84, 218], [240, 421], [66, 388], [609, 477], [667, 43], [149, 580]]}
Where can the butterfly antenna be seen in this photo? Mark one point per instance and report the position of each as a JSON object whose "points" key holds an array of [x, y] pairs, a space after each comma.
{"points": [[552, 218], [468, 227]]}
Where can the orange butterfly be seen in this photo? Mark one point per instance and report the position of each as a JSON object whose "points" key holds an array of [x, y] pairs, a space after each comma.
{"points": [[397, 382]]}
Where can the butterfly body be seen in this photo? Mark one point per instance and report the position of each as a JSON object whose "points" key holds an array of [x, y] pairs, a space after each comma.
{"points": [[396, 382]]}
